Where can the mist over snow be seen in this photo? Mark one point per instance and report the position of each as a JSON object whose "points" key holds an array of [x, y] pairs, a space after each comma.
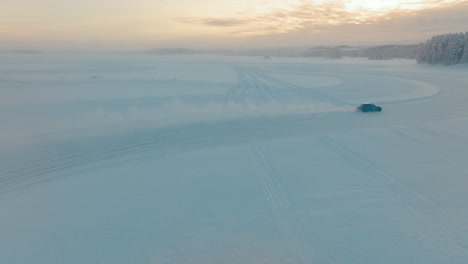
{"points": [[75, 94], [24, 128], [64, 95], [136, 158], [234, 132]]}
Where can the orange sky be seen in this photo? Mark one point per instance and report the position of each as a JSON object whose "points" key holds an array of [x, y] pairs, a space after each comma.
{"points": [[142, 24]]}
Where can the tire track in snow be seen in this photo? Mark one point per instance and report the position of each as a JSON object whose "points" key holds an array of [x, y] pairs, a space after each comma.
{"points": [[291, 231], [39, 166], [58, 161], [239, 93], [60, 167], [301, 90], [263, 91], [406, 78], [234, 95], [248, 87], [410, 134], [52, 165], [417, 201], [255, 82]]}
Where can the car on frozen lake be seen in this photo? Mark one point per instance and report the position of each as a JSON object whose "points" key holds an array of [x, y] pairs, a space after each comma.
{"points": [[369, 107]]}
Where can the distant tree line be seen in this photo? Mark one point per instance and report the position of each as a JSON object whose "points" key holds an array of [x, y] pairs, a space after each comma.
{"points": [[387, 52], [334, 52], [445, 49]]}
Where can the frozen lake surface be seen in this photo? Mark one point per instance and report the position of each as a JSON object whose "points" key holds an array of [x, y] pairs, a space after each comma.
{"points": [[133, 158]]}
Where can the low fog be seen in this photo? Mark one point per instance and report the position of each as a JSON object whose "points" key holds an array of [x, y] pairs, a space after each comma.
{"points": [[237, 132]]}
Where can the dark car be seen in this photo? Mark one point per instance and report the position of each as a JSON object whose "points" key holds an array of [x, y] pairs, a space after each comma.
{"points": [[369, 107]]}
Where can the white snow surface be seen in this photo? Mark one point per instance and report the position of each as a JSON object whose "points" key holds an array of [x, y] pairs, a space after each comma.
{"points": [[133, 158]]}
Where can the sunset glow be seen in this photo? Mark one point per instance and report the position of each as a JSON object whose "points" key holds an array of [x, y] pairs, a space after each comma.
{"points": [[142, 23]]}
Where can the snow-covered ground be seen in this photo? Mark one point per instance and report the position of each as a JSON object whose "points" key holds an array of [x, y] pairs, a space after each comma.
{"points": [[133, 158]]}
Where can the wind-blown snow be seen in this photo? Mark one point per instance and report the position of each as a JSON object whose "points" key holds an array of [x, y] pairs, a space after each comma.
{"points": [[131, 158]]}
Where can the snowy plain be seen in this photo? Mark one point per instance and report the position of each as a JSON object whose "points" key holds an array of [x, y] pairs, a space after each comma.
{"points": [[134, 158]]}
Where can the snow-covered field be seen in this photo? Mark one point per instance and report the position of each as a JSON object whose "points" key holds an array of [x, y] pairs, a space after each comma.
{"points": [[133, 158]]}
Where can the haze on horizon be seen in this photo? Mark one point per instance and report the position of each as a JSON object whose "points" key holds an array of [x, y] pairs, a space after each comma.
{"points": [[144, 24]]}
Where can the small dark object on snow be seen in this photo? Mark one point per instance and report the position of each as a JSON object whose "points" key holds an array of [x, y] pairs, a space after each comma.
{"points": [[369, 107]]}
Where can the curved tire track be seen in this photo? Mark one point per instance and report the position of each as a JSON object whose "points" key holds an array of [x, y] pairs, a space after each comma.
{"points": [[65, 158]]}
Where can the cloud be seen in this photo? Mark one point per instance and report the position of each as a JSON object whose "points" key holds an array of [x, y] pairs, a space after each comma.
{"points": [[330, 23], [277, 20], [217, 22], [321, 16]]}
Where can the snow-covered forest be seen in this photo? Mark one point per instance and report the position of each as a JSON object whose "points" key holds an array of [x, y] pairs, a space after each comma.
{"points": [[445, 49]]}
